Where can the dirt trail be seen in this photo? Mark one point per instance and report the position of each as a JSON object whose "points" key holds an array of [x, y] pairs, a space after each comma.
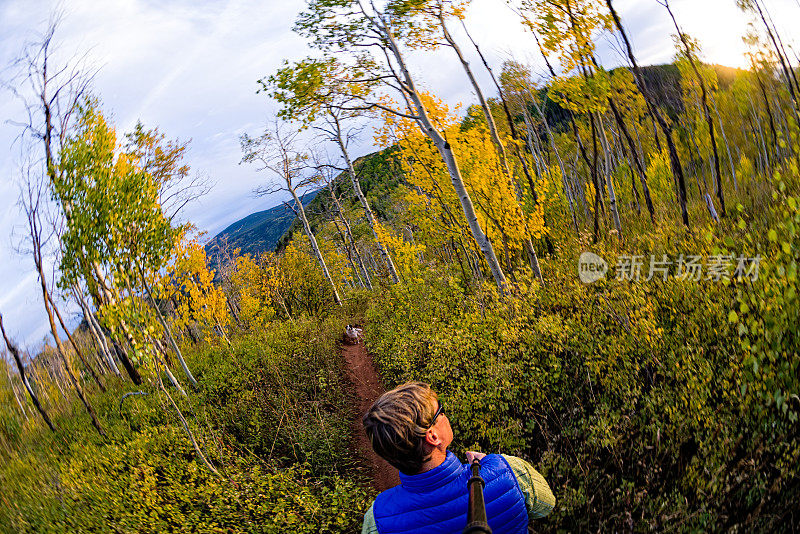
{"points": [[366, 387]]}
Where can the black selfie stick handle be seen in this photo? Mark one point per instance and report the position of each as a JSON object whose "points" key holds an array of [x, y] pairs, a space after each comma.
{"points": [[476, 511]]}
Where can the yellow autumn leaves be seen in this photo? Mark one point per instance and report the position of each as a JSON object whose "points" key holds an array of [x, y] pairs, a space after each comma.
{"points": [[431, 201], [189, 285]]}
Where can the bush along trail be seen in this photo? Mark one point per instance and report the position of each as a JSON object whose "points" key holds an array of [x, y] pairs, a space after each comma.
{"points": [[271, 414]]}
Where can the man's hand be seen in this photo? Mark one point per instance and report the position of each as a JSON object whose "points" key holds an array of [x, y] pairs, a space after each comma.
{"points": [[472, 456]]}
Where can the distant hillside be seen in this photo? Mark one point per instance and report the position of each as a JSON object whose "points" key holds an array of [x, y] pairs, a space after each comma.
{"points": [[663, 81], [379, 176], [258, 232]]}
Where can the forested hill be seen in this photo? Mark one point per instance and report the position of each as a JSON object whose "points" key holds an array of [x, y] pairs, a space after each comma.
{"points": [[379, 176], [271, 229], [665, 83], [259, 231]]}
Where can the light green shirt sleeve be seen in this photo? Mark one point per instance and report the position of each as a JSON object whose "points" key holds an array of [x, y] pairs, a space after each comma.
{"points": [[369, 522], [539, 498]]}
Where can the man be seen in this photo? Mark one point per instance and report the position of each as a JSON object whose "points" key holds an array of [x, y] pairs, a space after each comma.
{"points": [[409, 428]]}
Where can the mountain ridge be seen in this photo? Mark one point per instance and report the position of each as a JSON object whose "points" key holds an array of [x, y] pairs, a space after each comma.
{"points": [[258, 232]]}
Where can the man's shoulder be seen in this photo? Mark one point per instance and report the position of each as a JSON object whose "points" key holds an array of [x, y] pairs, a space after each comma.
{"points": [[387, 494], [522, 470], [384, 498], [515, 463], [539, 498], [499, 462]]}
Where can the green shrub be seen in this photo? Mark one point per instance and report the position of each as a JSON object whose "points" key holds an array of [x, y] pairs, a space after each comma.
{"points": [[625, 395], [152, 483], [270, 414], [278, 393]]}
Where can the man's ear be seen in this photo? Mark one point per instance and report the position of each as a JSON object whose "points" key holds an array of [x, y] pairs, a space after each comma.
{"points": [[433, 438]]}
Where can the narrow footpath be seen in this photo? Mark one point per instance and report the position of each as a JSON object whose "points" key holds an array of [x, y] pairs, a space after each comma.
{"points": [[365, 388]]}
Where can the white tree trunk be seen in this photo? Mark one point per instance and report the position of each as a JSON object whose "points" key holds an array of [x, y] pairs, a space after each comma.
{"points": [[387, 258], [501, 151], [174, 381], [167, 331], [14, 391], [362, 273], [96, 332], [425, 124], [612, 195], [567, 190], [314, 246]]}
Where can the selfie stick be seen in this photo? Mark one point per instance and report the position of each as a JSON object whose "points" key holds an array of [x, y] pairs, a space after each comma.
{"points": [[476, 511]]}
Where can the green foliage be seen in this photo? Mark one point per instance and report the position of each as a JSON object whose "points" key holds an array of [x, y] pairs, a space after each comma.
{"points": [[311, 88], [284, 286], [111, 200], [300, 88], [278, 393], [152, 483], [625, 395], [770, 309], [270, 413]]}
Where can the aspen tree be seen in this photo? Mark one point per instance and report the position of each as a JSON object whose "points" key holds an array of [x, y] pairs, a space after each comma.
{"points": [[188, 283], [275, 151], [74, 345], [12, 348], [689, 49], [550, 20], [438, 12], [675, 162], [117, 223], [95, 329], [327, 174], [312, 92], [754, 6], [13, 386], [433, 205], [350, 27], [510, 121], [518, 84], [567, 28], [31, 205], [57, 93]]}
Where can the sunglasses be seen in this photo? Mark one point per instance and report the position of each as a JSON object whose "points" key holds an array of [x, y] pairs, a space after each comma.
{"points": [[439, 411]]}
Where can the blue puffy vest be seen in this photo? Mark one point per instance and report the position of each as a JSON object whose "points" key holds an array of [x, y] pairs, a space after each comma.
{"points": [[436, 501]]}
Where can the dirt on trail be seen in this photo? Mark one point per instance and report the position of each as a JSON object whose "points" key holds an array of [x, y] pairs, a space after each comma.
{"points": [[365, 388]]}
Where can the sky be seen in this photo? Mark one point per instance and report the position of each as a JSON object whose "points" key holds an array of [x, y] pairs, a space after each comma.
{"points": [[190, 68]]}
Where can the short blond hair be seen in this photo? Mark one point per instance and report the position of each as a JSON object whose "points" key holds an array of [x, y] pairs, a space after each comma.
{"points": [[397, 422]]}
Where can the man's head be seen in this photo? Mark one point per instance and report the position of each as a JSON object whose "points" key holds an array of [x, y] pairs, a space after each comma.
{"points": [[406, 426]]}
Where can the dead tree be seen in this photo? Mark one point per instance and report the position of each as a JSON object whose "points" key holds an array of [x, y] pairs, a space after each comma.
{"points": [[275, 150], [24, 377], [31, 205]]}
